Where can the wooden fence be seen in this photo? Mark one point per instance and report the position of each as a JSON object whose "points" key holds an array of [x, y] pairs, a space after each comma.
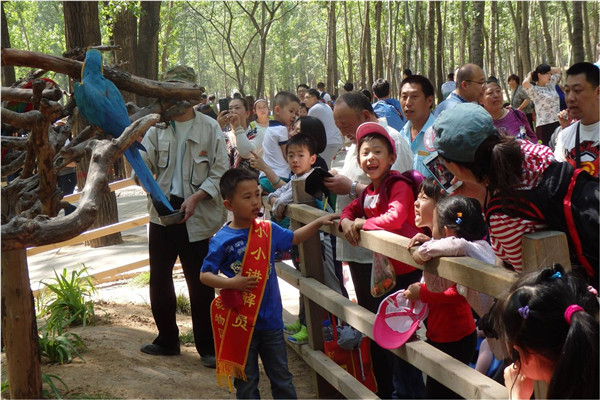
{"points": [[539, 249]]}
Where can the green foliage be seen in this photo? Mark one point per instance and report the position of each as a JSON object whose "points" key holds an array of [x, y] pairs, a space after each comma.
{"points": [[183, 304], [187, 337], [4, 386], [48, 379], [142, 279], [60, 349], [70, 300]]}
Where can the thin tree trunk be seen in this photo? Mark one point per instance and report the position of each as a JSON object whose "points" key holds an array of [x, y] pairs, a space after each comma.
{"points": [[422, 47], [350, 75], [8, 71], [547, 37], [439, 51], [363, 52], [407, 42], [431, 43], [368, 47], [578, 51], [378, 48], [477, 33], [589, 54], [168, 28], [493, 28], [524, 37]]}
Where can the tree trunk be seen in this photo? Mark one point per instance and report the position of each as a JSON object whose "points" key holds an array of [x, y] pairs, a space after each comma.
{"points": [[439, 50], [378, 47], [147, 47], [578, 52], [368, 47], [477, 46], [408, 47], [19, 328], [525, 49], [492, 46], [82, 28], [8, 71], [350, 76], [422, 47], [565, 7], [431, 43], [589, 53], [125, 35], [168, 28], [547, 37], [463, 35], [331, 49], [362, 69]]}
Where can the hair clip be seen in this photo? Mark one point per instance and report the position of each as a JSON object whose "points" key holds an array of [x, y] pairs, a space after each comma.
{"points": [[459, 219], [556, 275], [524, 312]]}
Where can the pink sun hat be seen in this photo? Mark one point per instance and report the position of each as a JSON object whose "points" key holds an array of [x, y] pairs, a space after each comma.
{"points": [[397, 320]]}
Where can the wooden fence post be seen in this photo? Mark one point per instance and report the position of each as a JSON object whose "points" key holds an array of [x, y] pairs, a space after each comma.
{"points": [[311, 263], [19, 328], [540, 250]]}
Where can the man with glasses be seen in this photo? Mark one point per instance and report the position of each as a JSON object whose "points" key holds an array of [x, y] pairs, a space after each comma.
{"points": [[469, 88]]}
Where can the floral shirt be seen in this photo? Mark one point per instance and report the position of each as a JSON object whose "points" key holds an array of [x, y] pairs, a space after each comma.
{"points": [[546, 100]]}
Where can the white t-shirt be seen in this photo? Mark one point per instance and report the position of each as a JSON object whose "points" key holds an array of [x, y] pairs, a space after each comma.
{"points": [[324, 113], [182, 131], [275, 136], [589, 138], [326, 98]]}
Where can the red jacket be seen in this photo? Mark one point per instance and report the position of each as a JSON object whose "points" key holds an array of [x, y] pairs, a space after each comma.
{"points": [[394, 211]]}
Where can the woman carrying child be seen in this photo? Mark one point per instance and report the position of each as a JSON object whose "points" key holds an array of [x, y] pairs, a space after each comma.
{"points": [[549, 321], [458, 230]]}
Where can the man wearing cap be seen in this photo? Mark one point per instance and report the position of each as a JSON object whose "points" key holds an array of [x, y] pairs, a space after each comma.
{"points": [[416, 98], [350, 111], [469, 88], [188, 158]]}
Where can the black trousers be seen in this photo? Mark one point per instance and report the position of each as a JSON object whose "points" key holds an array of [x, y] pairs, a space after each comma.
{"points": [[462, 350], [383, 360], [165, 244]]}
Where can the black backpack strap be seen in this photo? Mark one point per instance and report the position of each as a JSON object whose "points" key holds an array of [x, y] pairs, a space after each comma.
{"points": [[577, 149]]}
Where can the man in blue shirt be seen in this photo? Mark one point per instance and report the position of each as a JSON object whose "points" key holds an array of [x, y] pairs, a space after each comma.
{"points": [[386, 107], [416, 98], [469, 88], [448, 86]]}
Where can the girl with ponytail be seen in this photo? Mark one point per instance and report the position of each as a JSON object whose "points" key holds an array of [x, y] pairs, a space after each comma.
{"points": [[549, 322]]}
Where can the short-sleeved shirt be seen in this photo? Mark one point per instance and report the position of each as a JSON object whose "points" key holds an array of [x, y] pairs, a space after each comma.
{"points": [[518, 98], [391, 111], [589, 137], [323, 113], [276, 135], [447, 104], [546, 100], [419, 148], [515, 123], [225, 254], [447, 88]]}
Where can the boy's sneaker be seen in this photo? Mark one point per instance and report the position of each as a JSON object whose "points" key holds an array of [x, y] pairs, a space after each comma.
{"points": [[293, 328], [301, 337]]}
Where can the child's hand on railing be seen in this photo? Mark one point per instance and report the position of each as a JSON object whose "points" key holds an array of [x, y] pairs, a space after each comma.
{"points": [[350, 232], [418, 238]]}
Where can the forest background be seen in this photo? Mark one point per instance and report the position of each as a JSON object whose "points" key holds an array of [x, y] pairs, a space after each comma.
{"points": [[260, 47]]}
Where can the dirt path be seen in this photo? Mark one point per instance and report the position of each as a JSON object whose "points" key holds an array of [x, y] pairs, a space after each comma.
{"points": [[114, 367]]}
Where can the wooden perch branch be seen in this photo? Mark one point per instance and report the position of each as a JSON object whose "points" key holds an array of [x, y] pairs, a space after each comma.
{"points": [[26, 95], [22, 232], [124, 81], [14, 142]]}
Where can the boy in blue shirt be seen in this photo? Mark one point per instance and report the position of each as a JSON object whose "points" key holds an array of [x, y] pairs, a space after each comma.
{"points": [[247, 316]]}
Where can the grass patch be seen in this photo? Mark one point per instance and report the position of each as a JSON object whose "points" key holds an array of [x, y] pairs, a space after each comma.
{"points": [[183, 304], [187, 337], [141, 279]]}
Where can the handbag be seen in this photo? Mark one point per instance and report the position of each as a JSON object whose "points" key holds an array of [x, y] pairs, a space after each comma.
{"points": [[357, 362]]}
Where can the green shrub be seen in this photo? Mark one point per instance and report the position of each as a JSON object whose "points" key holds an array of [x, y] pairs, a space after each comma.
{"points": [[60, 349], [187, 337], [183, 304], [141, 279], [4, 386], [69, 300], [49, 380]]}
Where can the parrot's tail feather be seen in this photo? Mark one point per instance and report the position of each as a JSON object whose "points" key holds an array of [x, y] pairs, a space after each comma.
{"points": [[159, 200], [138, 146]]}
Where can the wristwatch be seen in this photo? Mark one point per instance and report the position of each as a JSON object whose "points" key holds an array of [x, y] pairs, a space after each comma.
{"points": [[352, 193]]}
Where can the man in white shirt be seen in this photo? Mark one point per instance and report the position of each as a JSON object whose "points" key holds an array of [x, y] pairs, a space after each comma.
{"points": [[582, 94], [350, 111], [323, 113], [323, 95]]}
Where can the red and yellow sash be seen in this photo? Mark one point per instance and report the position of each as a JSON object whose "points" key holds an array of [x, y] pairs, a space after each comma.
{"points": [[233, 327]]}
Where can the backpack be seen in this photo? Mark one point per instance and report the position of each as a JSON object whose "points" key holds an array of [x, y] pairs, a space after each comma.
{"points": [[566, 200], [322, 96]]}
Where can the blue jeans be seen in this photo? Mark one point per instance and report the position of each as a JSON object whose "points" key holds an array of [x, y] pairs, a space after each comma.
{"points": [[270, 345]]}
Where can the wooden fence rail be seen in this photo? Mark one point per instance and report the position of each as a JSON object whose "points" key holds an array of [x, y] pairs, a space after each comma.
{"points": [[539, 249]]}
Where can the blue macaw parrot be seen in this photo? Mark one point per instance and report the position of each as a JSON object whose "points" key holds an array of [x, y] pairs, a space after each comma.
{"points": [[101, 104]]}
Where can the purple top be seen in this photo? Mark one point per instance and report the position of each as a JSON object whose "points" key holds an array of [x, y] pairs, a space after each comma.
{"points": [[511, 124]]}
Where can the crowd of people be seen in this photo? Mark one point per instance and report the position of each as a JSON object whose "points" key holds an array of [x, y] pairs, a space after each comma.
{"points": [[524, 167]]}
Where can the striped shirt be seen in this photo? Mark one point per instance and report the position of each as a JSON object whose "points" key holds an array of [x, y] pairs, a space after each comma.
{"points": [[505, 231]]}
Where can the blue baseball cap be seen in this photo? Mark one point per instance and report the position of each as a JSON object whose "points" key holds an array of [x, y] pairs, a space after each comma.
{"points": [[459, 131]]}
